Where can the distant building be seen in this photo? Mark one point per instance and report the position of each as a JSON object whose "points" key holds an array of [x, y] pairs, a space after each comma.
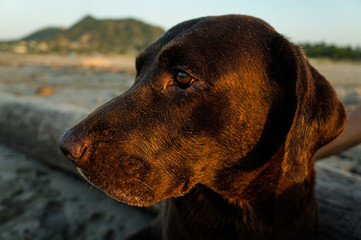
{"points": [[43, 47], [20, 47]]}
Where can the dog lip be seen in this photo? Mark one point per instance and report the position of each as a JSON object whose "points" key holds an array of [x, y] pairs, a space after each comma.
{"points": [[185, 187], [118, 194]]}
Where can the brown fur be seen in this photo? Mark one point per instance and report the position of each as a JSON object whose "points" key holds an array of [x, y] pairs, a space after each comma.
{"points": [[232, 151]]}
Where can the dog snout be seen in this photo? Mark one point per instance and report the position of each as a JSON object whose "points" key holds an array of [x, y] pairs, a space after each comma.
{"points": [[73, 144]]}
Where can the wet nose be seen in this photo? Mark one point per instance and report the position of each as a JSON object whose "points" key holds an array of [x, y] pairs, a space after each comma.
{"points": [[73, 143]]}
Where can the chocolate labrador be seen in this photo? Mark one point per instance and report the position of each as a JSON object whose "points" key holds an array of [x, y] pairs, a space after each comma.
{"points": [[223, 119]]}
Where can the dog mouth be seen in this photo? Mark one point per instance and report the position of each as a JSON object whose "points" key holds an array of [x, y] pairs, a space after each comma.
{"points": [[118, 195], [138, 193], [121, 176], [128, 178]]}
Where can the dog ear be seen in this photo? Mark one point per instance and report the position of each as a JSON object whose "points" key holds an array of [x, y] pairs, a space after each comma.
{"points": [[319, 115]]}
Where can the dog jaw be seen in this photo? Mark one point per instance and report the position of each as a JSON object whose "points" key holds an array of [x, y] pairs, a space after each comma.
{"points": [[139, 200], [130, 179]]}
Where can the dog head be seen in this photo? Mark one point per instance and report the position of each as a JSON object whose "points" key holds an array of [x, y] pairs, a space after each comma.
{"points": [[213, 98]]}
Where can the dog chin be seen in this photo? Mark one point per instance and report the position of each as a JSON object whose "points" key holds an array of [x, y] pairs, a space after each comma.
{"points": [[120, 195], [128, 199]]}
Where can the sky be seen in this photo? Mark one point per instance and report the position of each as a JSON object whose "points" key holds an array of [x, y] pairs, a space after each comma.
{"points": [[331, 21]]}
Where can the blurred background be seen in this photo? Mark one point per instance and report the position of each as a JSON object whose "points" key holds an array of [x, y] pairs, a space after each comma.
{"points": [[61, 59]]}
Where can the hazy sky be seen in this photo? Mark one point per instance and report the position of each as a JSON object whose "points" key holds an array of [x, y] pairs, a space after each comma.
{"points": [[301, 20]]}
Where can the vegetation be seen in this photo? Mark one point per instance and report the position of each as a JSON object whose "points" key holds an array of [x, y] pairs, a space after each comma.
{"points": [[323, 50], [43, 34], [124, 36]]}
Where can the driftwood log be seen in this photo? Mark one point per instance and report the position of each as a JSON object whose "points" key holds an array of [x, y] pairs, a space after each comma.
{"points": [[339, 202], [34, 127]]}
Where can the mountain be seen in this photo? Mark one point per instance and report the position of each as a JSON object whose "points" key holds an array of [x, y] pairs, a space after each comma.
{"points": [[91, 35], [43, 34]]}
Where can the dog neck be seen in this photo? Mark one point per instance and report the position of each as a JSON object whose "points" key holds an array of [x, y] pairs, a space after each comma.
{"points": [[265, 208]]}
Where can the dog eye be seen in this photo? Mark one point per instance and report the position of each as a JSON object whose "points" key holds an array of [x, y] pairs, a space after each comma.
{"points": [[183, 79]]}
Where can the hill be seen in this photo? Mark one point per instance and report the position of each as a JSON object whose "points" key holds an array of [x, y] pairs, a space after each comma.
{"points": [[107, 36], [43, 34], [90, 35]]}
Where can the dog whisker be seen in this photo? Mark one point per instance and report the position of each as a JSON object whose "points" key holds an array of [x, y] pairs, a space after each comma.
{"points": [[144, 184]]}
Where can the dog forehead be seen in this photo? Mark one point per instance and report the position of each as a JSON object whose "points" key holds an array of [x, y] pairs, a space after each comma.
{"points": [[213, 49], [239, 26], [219, 38]]}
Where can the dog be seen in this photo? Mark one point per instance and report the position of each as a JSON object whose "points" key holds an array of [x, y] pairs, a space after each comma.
{"points": [[223, 120]]}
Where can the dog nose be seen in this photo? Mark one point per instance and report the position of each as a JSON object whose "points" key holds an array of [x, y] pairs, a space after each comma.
{"points": [[73, 143]]}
